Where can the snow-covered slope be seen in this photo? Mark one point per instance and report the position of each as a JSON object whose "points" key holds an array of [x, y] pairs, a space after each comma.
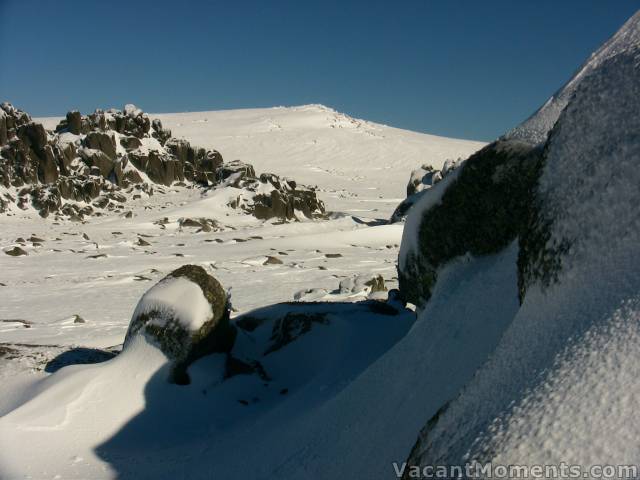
{"points": [[524, 353], [73, 295], [355, 162]]}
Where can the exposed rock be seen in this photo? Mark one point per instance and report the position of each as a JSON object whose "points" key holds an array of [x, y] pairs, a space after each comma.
{"points": [[130, 143], [420, 181], [184, 331], [103, 142], [484, 209], [291, 326], [83, 152], [45, 199], [206, 224], [159, 133], [48, 167], [74, 122], [426, 175], [33, 134], [362, 283], [15, 252], [273, 261], [98, 159], [233, 172]]}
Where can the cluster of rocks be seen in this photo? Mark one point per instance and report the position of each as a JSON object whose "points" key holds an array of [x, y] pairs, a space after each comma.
{"points": [[420, 181], [92, 163], [166, 324], [268, 195]]}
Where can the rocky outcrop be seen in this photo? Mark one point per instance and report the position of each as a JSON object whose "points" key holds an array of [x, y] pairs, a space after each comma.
{"points": [[186, 315], [482, 210], [88, 157], [421, 180], [270, 196]]}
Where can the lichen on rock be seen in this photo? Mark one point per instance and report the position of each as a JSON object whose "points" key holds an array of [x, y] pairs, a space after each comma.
{"points": [[486, 207], [187, 315]]}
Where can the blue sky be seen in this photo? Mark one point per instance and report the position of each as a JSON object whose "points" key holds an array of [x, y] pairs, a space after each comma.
{"points": [[461, 68]]}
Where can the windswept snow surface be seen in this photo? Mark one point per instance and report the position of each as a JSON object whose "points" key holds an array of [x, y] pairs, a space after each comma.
{"points": [[121, 417]]}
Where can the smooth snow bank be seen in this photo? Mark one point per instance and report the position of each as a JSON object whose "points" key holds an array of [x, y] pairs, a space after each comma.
{"points": [[562, 386], [535, 128], [176, 298], [374, 421], [53, 435]]}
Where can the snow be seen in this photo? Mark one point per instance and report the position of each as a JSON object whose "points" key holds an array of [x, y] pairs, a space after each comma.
{"points": [[97, 399], [119, 418], [131, 110], [561, 384], [176, 298], [553, 379]]}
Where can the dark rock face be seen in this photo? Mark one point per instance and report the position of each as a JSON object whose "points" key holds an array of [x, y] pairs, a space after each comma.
{"points": [[74, 122], [33, 134], [103, 142], [98, 159], [48, 166], [235, 171], [15, 252], [481, 212], [291, 326], [285, 199], [130, 143], [159, 133], [199, 165], [181, 344]]}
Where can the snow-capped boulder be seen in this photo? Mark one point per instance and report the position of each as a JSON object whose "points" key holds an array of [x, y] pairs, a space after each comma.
{"points": [[479, 209], [362, 284], [187, 315], [421, 180], [559, 386], [270, 196]]}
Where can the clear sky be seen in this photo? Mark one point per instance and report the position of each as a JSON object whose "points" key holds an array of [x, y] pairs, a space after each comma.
{"points": [[461, 68]]}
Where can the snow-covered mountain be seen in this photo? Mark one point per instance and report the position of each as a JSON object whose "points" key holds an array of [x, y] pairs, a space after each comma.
{"points": [[521, 261], [71, 298]]}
